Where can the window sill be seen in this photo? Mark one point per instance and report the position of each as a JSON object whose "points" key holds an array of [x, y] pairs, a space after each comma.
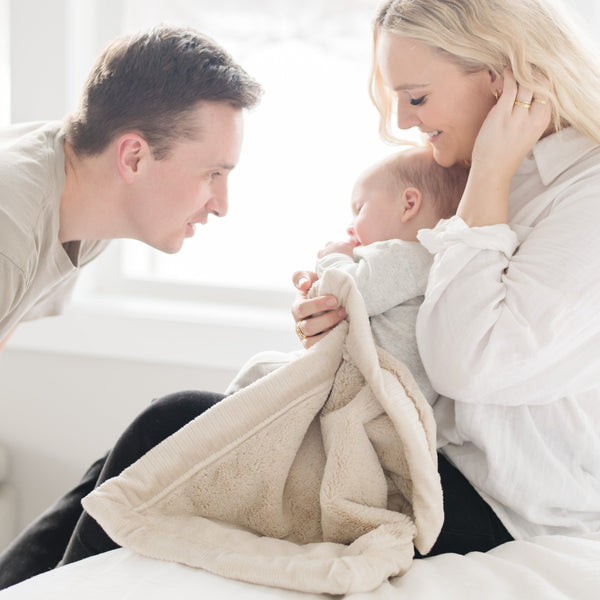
{"points": [[184, 333]]}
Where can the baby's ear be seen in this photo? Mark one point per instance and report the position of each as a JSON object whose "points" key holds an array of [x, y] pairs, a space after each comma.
{"points": [[412, 200]]}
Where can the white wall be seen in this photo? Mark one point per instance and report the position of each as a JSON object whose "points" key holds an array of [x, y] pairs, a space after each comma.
{"points": [[61, 412]]}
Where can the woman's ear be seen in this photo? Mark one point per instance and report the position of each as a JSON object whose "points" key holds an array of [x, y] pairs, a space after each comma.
{"points": [[411, 200], [132, 150], [497, 83]]}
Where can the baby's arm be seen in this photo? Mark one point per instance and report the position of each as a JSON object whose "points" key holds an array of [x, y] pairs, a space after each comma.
{"points": [[346, 248], [386, 273]]}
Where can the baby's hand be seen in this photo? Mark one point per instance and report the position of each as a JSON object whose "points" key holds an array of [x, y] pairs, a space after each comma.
{"points": [[338, 248]]}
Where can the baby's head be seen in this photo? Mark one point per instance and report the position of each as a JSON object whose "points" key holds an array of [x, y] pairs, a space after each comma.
{"points": [[403, 193]]}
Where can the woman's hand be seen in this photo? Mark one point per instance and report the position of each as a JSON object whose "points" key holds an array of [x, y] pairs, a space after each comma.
{"points": [[511, 128], [509, 132], [314, 317]]}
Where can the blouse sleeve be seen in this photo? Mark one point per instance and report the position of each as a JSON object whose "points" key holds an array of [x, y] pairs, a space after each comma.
{"points": [[514, 324]]}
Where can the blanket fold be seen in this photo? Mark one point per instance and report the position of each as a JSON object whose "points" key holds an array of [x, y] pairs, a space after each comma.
{"points": [[319, 477]]}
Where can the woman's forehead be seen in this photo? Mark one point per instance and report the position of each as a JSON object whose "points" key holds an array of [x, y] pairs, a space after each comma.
{"points": [[408, 64]]}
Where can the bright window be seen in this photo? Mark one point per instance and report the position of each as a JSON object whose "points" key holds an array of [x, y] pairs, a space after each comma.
{"points": [[306, 143], [312, 134]]}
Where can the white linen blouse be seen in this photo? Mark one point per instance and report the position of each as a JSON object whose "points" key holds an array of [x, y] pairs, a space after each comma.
{"points": [[509, 334]]}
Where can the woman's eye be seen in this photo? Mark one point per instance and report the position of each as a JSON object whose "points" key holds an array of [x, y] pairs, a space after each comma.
{"points": [[417, 101]]}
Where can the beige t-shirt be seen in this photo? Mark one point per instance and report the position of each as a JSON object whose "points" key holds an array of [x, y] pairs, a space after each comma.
{"points": [[37, 272]]}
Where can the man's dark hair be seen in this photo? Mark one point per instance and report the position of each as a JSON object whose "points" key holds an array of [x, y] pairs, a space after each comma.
{"points": [[151, 83]]}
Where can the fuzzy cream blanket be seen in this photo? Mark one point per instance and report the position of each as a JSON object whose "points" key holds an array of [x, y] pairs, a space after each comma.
{"points": [[319, 477]]}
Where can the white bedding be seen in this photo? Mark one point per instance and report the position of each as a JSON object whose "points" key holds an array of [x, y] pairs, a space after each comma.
{"points": [[544, 568]]}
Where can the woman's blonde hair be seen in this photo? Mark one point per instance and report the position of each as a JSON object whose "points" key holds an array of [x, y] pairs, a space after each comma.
{"points": [[535, 38]]}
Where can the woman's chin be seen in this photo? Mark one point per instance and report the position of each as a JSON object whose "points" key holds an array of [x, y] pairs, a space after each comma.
{"points": [[448, 159], [444, 159]]}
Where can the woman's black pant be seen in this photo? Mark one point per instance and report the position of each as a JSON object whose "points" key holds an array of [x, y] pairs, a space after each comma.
{"points": [[66, 533]]}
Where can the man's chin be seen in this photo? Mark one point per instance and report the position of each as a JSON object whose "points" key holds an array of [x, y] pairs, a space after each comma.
{"points": [[170, 247]]}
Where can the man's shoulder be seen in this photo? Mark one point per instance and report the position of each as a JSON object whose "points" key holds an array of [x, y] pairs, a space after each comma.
{"points": [[27, 182], [27, 136], [29, 151]]}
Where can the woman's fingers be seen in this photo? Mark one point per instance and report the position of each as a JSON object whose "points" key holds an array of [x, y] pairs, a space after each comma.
{"points": [[314, 317], [312, 328], [523, 100], [511, 129], [311, 341]]}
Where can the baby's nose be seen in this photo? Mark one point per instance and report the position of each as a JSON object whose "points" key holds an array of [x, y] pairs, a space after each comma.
{"points": [[352, 234]]}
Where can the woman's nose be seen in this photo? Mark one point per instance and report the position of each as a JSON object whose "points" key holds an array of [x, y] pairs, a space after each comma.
{"points": [[406, 115]]}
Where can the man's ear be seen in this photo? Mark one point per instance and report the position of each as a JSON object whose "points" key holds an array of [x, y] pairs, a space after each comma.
{"points": [[132, 150], [411, 200]]}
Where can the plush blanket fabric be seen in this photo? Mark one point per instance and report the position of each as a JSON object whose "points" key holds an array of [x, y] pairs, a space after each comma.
{"points": [[319, 477]]}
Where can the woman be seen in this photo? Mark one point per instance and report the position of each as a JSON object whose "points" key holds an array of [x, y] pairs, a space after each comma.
{"points": [[511, 336], [509, 331]]}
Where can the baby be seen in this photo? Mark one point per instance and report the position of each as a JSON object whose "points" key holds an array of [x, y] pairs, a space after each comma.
{"points": [[391, 201]]}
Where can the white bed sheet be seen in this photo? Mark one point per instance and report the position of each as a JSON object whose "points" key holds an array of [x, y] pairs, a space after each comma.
{"points": [[545, 568]]}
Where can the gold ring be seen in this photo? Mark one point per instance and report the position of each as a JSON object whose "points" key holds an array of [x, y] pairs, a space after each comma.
{"points": [[540, 101], [299, 331], [522, 104]]}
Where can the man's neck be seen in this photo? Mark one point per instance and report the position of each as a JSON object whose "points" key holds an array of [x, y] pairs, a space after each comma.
{"points": [[89, 198]]}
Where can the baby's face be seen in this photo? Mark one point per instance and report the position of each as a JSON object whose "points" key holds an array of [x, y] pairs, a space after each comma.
{"points": [[376, 212]]}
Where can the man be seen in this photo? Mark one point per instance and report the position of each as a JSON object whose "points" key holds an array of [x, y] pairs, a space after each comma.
{"points": [[146, 156]]}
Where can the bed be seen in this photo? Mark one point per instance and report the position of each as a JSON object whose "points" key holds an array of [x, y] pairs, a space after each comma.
{"points": [[548, 568], [338, 444]]}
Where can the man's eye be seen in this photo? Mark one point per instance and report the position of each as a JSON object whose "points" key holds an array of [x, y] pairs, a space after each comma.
{"points": [[417, 101]]}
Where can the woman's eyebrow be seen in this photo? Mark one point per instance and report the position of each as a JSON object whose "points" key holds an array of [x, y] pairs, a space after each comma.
{"points": [[410, 86]]}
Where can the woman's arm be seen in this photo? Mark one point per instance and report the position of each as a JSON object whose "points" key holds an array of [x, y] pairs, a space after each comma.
{"points": [[512, 327], [506, 136]]}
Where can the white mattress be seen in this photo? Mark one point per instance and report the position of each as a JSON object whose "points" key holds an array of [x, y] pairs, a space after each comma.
{"points": [[544, 568]]}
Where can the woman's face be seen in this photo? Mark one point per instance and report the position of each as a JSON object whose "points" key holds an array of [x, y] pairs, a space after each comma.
{"points": [[435, 95]]}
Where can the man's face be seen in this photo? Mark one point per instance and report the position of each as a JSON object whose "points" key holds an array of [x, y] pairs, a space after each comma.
{"points": [[182, 189]]}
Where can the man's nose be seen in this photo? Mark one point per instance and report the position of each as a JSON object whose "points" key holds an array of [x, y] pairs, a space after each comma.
{"points": [[219, 203]]}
